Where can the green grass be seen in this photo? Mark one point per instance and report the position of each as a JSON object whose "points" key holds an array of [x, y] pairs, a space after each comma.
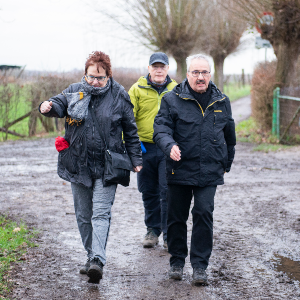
{"points": [[234, 91], [14, 241], [270, 147], [248, 131], [19, 104]]}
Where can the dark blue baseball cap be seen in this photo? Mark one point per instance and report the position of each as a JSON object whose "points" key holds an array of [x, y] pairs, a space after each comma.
{"points": [[159, 57]]}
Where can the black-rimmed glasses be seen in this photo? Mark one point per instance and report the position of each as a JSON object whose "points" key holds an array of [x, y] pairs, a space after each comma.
{"points": [[197, 73]]}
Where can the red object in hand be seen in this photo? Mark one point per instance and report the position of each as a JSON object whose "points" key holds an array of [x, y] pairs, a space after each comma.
{"points": [[61, 144]]}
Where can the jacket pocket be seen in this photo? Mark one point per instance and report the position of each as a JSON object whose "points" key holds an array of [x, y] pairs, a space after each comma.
{"points": [[76, 155], [65, 159], [185, 127], [219, 122], [172, 166], [225, 159], [115, 126]]}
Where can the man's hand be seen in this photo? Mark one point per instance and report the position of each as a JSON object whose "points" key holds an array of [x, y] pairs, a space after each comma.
{"points": [[45, 107], [138, 168], [175, 153]]}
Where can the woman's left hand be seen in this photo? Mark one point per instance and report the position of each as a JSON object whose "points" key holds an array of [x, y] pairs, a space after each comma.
{"points": [[138, 168]]}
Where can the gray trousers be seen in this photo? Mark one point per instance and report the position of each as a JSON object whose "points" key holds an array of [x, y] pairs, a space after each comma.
{"points": [[93, 214]]}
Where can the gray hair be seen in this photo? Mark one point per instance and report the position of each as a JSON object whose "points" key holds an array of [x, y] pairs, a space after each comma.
{"points": [[196, 56]]}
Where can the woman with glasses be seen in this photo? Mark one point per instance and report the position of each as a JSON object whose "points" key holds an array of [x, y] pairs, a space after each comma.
{"points": [[98, 98]]}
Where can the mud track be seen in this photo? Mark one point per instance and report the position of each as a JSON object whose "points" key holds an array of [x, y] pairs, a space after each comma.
{"points": [[256, 228]]}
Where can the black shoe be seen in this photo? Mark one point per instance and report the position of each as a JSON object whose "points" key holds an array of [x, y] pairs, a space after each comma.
{"points": [[95, 271], [84, 269], [199, 277], [176, 272]]}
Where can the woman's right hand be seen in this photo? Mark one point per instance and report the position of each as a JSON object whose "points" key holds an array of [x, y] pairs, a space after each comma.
{"points": [[46, 107]]}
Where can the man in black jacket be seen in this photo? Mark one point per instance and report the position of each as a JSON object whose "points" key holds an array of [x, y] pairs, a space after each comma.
{"points": [[195, 129]]}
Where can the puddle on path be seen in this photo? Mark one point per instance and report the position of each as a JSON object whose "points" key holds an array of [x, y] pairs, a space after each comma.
{"points": [[288, 266]]}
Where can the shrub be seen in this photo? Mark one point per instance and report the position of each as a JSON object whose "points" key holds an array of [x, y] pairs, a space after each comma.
{"points": [[41, 89], [263, 84], [127, 77]]}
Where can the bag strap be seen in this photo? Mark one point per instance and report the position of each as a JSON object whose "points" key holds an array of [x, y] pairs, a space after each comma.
{"points": [[109, 118]]}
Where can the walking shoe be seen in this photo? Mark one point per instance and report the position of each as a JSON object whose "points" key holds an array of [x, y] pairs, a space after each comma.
{"points": [[150, 239], [176, 272], [84, 269], [95, 271], [165, 245], [199, 276]]}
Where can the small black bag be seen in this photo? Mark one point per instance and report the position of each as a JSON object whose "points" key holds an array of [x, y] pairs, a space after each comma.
{"points": [[117, 166]]}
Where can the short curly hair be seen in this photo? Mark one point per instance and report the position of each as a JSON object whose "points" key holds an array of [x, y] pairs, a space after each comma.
{"points": [[100, 59]]}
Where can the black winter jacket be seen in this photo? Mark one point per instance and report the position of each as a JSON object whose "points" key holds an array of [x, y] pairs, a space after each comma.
{"points": [[84, 159], [206, 139]]}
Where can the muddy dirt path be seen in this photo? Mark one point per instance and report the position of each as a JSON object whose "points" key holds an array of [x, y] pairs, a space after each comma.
{"points": [[256, 228], [241, 109]]}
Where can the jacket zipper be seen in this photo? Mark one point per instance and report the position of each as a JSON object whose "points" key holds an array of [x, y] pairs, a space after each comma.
{"points": [[203, 113], [158, 95], [214, 127]]}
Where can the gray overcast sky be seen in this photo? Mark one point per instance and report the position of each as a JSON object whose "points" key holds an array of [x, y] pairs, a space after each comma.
{"points": [[58, 35]]}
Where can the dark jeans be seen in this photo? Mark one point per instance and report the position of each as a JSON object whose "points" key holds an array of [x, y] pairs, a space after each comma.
{"points": [[179, 202], [152, 183]]}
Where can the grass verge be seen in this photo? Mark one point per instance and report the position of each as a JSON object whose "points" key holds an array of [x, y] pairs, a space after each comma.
{"points": [[15, 239], [248, 131], [234, 91]]}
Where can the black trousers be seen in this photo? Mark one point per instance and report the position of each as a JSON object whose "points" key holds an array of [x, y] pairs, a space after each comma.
{"points": [[152, 183], [179, 201]]}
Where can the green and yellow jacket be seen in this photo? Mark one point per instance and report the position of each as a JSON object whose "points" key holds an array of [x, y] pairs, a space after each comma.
{"points": [[146, 101]]}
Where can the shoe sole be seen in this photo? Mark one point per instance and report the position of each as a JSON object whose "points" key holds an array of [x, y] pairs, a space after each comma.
{"points": [[175, 277], [199, 282], [94, 274], [149, 245]]}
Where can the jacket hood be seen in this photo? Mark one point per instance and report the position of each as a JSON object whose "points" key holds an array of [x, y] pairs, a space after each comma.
{"points": [[142, 81]]}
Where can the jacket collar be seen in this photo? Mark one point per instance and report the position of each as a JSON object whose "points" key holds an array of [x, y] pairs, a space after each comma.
{"points": [[168, 80], [183, 92], [143, 83]]}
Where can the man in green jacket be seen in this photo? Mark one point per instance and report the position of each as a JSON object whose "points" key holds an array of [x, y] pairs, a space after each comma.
{"points": [[146, 96]]}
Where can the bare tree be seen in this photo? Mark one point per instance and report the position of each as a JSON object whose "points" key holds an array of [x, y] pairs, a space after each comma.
{"points": [[171, 26], [283, 32], [221, 38]]}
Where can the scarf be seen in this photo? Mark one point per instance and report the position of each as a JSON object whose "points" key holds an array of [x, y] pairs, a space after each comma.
{"points": [[158, 85], [78, 102]]}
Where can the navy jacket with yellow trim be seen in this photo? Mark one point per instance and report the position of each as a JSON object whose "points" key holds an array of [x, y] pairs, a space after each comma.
{"points": [[206, 138]]}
